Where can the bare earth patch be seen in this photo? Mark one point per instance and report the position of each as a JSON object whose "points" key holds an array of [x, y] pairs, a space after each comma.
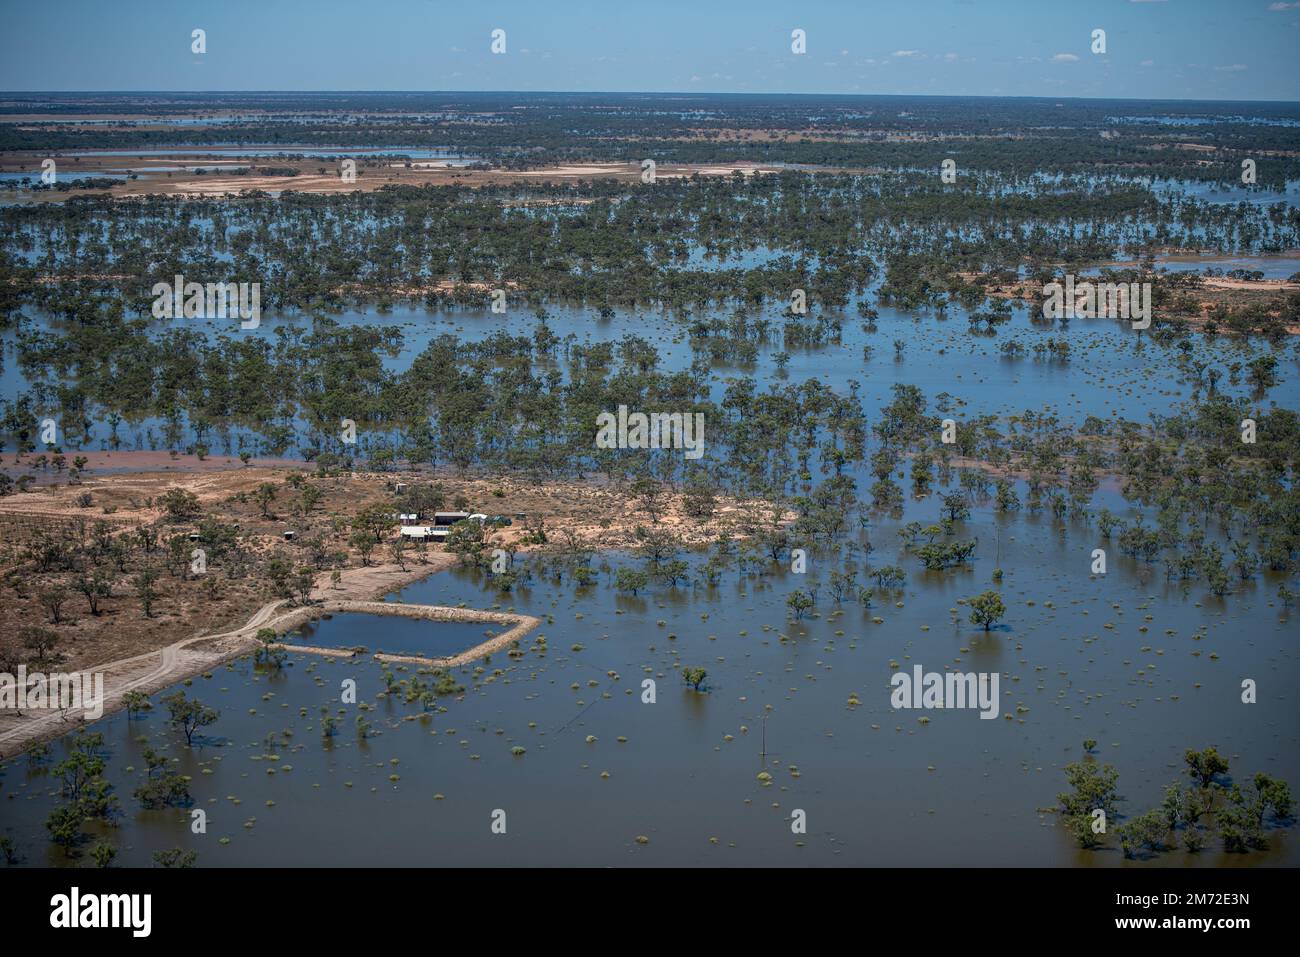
{"points": [[194, 626]]}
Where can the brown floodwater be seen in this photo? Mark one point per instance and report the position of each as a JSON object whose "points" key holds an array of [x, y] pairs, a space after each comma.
{"points": [[1142, 667]]}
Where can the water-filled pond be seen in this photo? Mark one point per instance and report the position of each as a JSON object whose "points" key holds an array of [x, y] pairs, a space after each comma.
{"points": [[393, 634]]}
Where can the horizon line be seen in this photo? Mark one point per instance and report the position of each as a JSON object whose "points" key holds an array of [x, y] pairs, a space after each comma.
{"points": [[674, 93]]}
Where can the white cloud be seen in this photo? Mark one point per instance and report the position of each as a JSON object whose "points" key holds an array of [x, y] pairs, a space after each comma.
{"points": [[1065, 58], [1232, 68], [1147, 63], [907, 53], [1278, 7]]}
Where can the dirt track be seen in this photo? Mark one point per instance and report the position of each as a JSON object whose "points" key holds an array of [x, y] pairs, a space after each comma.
{"points": [[155, 670]]}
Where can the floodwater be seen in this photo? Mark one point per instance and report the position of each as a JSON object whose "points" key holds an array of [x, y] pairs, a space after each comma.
{"points": [[1112, 371], [453, 157], [1140, 666], [1272, 267], [25, 179], [564, 744]]}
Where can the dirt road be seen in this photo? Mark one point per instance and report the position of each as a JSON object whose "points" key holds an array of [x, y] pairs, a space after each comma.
{"points": [[157, 669]]}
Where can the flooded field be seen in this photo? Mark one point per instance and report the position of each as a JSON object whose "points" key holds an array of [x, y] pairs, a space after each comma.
{"points": [[1111, 370], [1144, 668], [685, 699]]}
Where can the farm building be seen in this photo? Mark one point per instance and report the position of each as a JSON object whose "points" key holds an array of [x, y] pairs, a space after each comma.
{"points": [[449, 518], [424, 532]]}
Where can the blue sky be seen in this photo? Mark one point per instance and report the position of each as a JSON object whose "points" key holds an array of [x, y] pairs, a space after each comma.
{"points": [[1178, 49]]}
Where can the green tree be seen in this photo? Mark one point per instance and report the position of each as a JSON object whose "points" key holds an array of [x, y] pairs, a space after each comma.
{"points": [[269, 652], [695, 677], [1205, 765], [53, 598], [95, 586], [189, 714], [144, 582], [175, 858], [41, 642], [264, 496], [1093, 787], [651, 497], [1144, 832], [987, 609], [161, 787], [630, 580], [364, 542], [799, 602], [64, 825], [180, 505]]}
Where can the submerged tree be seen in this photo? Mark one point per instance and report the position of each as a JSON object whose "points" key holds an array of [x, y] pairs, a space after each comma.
{"points": [[189, 714], [695, 677], [987, 609]]}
